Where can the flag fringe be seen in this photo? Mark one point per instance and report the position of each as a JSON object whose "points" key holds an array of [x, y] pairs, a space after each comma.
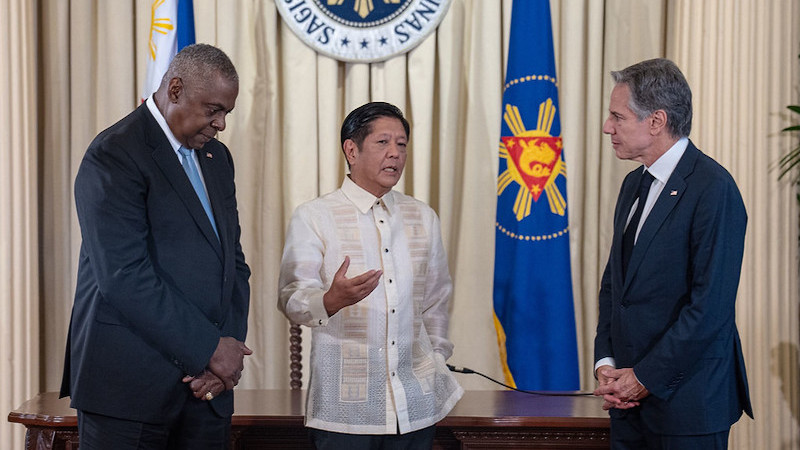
{"points": [[501, 343]]}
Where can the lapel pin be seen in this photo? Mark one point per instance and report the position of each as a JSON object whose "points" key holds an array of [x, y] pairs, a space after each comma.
{"points": [[673, 193], [209, 155]]}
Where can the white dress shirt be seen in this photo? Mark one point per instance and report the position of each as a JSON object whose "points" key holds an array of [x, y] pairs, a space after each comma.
{"points": [[379, 365]]}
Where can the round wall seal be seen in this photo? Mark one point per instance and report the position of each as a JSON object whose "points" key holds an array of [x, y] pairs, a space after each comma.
{"points": [[362, 30]]}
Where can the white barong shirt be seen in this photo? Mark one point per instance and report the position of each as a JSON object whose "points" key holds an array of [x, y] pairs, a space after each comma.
{"points": [[378, 365]]}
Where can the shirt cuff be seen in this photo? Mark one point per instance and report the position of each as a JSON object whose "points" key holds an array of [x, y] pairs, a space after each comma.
{"points": [[316, 307], [607, 361]]}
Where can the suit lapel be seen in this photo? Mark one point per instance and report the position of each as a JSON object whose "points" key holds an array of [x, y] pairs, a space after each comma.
{"points": [[666, 202], [168, 162]]}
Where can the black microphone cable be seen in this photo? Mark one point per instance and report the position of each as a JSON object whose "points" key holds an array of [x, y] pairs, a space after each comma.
{"points": [[467, 370]]}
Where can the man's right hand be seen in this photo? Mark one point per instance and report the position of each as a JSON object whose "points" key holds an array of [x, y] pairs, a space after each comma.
{"points": [[349, 291], [603, 375], [227, 362], [619, 388]]}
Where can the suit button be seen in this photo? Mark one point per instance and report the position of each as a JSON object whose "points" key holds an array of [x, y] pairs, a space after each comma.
{"points": [[216, 324]]}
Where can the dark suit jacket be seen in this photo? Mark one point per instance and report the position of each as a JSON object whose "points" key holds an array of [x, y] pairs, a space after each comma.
{"points": [[672, 318], [156, 289]]}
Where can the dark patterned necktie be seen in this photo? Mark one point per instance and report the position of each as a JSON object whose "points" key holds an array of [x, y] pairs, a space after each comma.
{"points": [[629, 237]]}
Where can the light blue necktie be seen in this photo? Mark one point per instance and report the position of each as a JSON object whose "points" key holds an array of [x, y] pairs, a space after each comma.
{"points": [[191, 170]]}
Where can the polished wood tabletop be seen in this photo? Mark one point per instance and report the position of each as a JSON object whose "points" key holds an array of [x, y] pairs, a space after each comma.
{"points": [[516, 409], [277, 407]]}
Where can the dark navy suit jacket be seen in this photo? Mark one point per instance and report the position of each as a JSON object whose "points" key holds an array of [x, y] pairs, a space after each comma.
{"points": [[672, 318], [156, 288]]}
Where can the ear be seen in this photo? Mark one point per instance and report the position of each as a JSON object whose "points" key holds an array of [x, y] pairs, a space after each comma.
{"points": [[175, 89], [658, 122], [350, 151]]}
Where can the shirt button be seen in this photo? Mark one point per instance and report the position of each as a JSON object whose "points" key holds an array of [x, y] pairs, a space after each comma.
{"points": [[386, 250], [392, 310], [320, 321], [392, 373], [392, 342], [381, 221], [390, 280]]}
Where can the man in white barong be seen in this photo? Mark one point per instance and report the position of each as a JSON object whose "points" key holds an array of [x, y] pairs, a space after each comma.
{"points": [[364, 267]]}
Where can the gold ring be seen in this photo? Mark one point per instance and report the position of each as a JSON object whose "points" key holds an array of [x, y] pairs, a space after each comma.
{"points": [[209, 396]]}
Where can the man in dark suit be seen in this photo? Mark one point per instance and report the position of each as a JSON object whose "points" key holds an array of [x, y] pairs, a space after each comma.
{"points": [[156, 340], [669, 358]]}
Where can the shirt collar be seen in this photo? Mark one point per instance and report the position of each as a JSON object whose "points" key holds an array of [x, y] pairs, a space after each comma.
{"points": [[663, 167], [162, 122], [362, 199]]}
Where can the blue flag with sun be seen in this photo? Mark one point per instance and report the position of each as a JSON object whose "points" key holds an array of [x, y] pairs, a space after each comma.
{"points": [[533, 306]]}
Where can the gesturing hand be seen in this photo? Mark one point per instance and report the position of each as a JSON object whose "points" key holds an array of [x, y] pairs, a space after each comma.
{"points": [[349, 291], [227, 361]]}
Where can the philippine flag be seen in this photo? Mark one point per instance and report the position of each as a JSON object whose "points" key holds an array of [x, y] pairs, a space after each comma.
{"points": [[171, 29]]}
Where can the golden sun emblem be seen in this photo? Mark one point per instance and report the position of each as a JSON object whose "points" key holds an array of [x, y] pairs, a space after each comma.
{"points": [[362, 7], [533, 161], [161, 25]]}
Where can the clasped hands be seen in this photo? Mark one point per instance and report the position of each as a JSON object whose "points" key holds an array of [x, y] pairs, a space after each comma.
{"points": [[619, 388], [223, 372]]}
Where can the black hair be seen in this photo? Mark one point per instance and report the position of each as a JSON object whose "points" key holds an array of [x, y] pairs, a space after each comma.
{"points": [[358, 124]]}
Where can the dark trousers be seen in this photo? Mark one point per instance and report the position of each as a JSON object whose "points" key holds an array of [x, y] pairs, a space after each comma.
{"points": [[630, 433], [197, 427], [416, 440]]}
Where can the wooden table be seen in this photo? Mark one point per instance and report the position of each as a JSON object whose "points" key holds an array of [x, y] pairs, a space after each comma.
{"points": [[273, 419]]}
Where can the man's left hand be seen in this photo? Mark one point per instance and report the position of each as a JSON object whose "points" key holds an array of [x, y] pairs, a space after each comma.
{"points": [[205, 386]]}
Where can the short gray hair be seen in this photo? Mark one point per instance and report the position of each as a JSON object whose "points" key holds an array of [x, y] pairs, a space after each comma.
{"points": [[659, 84], [195, 62]]}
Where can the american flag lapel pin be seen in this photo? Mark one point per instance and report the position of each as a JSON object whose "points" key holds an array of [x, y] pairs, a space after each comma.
{"points": [[673, 193], [209, 155]]}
